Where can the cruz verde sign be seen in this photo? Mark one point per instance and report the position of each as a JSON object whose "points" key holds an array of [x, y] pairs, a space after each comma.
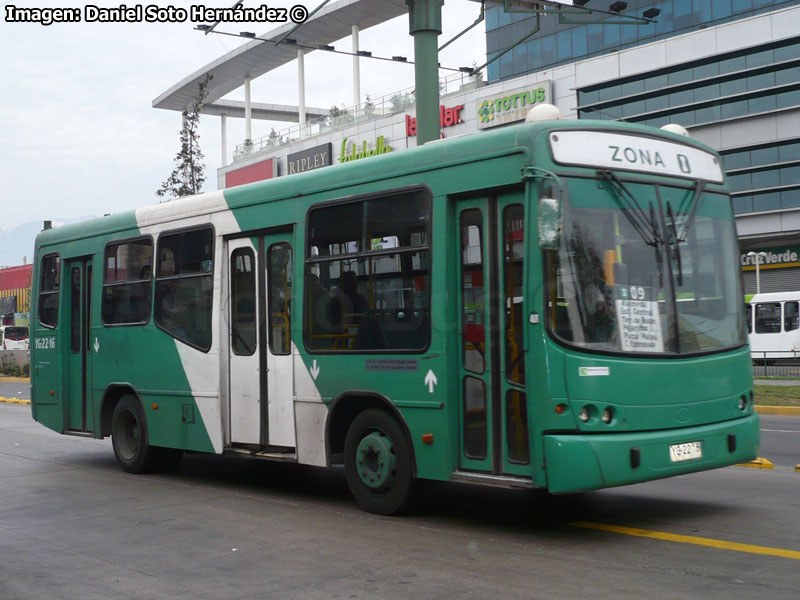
{"points": [[772, 258], [509, 107]]}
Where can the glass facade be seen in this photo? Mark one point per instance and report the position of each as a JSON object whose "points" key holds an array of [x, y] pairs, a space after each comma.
{"points": [[765, 177], [556, 43], [726, 86], [748, 82]]}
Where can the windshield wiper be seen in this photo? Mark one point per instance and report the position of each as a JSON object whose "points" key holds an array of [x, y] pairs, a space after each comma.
{"points": [[675, 243], [695, 202], [632, 210]]}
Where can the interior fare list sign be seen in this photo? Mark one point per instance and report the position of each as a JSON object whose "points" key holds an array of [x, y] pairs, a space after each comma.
{"points": [[638, 318]]}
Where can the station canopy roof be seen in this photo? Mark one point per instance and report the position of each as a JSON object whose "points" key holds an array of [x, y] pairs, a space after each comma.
{"points": [[253, 59]]}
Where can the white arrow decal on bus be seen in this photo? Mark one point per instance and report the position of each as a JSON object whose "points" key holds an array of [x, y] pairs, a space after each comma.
{"points": [[430, 380], [314, 369], [96, 345]]}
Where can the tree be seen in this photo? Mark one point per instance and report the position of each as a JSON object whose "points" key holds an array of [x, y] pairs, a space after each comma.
{"points": [[188, 176], [369, 107], [475, 75], [339, 117], [401, 101], [274, 138]]}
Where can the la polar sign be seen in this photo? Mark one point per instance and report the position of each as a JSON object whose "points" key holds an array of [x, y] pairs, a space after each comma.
{"points": [[447, 118]]}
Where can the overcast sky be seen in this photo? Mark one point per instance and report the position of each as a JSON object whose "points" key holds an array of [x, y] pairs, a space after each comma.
{"points": [[79, 134]]}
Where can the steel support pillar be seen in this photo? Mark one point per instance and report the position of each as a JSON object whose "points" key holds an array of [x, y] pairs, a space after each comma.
{"points": [[425, 25]]}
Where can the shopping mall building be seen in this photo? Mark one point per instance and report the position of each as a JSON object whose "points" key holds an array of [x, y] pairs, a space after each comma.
{"points": [[727, 70]]}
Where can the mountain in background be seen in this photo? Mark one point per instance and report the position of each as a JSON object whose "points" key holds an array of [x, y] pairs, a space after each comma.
{"points": [[16, 244]]}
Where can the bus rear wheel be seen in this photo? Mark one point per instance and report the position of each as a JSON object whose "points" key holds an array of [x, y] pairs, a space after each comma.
{"points": [[377, 463], [129, 437]]}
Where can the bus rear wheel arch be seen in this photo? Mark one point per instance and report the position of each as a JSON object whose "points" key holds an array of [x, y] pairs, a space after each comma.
{"points": [[378, 463]]}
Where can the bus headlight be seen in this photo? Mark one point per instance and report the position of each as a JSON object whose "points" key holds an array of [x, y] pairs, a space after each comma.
{"points": [[743, 403], [583, 414], [607, 415]]}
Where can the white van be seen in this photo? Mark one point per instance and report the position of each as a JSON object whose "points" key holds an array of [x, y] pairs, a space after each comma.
{"points": [[773, 322], [13, 337]]}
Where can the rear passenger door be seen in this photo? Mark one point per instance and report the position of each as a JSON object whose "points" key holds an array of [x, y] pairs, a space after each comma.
{"points": [[261, 381]]}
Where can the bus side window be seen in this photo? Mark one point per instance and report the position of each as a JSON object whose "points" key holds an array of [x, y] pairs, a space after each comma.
{"points": [[790, 314], [127, 282], [279, 263], [367, 275], [243, 302], [768, 317], [184, 286], [48, 290]]}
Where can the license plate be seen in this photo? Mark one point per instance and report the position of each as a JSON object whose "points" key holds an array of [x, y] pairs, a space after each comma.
{"points": [[687, 451]]}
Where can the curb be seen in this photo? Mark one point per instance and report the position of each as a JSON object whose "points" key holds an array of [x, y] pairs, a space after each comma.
{"points": [[5, 379], [784, 411], [759, 463], [14, 400]]}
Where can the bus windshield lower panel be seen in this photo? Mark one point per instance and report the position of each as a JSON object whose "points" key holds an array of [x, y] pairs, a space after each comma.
{"points": [[655, 273]]}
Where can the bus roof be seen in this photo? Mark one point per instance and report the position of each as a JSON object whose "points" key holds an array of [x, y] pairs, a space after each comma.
{"points": [[447, 152], [775, 297]]}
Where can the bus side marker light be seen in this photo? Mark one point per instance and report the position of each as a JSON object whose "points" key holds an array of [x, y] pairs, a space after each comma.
{"points": [[52, 392], [155, 406], [561, 409], [427, 438]]}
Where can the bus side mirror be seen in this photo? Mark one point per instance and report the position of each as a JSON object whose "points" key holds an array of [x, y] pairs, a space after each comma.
{"points": [[549, 224]]}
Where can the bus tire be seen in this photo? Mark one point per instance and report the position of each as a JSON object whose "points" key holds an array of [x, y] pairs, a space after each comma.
{"points": [[129, 437], [377, 463]]}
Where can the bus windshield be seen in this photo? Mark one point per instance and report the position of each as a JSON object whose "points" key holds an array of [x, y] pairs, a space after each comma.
{"points": [[645, 268]]}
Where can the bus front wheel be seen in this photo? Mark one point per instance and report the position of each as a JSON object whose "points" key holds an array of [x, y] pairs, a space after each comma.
{"points": [[129, 437], [377, 463]]}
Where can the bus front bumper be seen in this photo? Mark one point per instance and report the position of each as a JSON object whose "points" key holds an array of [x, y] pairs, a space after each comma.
{"points": [[583, 462]]}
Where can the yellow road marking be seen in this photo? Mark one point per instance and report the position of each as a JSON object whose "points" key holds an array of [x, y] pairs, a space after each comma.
{"points": [[758, 463], [14, 400], [690, 539]]}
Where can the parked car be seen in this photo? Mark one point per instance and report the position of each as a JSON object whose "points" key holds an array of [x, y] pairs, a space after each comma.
{"points": [[13, 337]]}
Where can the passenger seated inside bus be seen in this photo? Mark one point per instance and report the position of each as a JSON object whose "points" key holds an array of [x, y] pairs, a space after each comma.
{"points": [[348, 306]]}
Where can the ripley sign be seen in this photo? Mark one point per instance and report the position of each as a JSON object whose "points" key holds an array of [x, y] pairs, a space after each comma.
{"points": [[308, 160]]}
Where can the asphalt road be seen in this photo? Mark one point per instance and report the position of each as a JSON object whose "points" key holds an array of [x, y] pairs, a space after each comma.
{"points": [[780, 441], [13, 389], [72, 525]]}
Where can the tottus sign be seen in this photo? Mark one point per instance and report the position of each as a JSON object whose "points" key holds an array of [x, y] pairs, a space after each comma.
{"points": [[512, 106]]}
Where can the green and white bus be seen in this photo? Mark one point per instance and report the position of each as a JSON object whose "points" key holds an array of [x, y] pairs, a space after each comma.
{"points": [[550, 305]]}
